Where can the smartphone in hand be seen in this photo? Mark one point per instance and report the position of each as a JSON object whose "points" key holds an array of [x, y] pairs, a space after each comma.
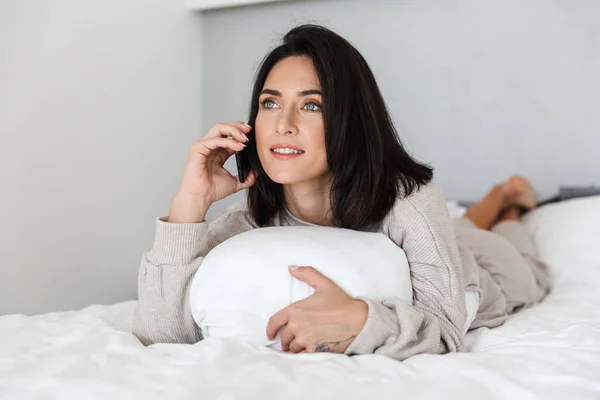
{"points": [[243, 164]]}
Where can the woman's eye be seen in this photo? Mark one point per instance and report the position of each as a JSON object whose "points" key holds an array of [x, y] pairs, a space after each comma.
{"points": [[269, 104], [312, 107]]}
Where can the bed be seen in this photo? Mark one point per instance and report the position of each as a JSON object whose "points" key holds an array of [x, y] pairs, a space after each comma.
{"points": [[551, 351]]}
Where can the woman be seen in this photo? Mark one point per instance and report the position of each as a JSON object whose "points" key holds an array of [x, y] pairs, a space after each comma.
{"points": [[323, 151]]}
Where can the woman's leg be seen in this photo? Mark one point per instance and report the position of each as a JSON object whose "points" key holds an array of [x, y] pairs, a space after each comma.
{"points": [[515, 192], [485, 213], [511, 228], [507, 253]]}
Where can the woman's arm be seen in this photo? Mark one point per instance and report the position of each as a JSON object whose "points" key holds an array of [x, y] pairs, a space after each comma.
{"points": [[163, 314], [433, 324]]}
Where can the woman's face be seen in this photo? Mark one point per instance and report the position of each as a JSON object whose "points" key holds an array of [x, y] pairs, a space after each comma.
{"points": [[289, 130]]}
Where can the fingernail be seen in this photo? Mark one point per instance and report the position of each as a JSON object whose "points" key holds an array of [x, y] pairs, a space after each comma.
{"points": [[293, 267], [247, 125], [242, 144], [247, 139]]}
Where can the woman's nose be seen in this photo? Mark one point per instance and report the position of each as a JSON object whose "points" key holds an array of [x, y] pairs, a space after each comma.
{"points": [[284, 132], [285, 125]]}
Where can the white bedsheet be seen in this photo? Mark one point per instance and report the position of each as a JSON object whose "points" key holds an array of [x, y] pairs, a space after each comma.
{"points": [[551, 351]]}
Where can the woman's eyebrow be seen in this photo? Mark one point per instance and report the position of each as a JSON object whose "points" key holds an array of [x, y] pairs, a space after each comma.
{"points": [[300, 93], [309, 92], [271, 92]]}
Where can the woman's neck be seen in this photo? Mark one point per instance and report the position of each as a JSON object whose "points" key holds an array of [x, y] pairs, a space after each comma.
{"points": [[309, 201]]}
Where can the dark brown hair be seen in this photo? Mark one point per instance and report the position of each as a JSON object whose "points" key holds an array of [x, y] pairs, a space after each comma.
{"points": [[370, 167]]}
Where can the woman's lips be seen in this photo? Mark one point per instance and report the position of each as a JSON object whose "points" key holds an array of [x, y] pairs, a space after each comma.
{"points": [[288, 156], [286, 151]]}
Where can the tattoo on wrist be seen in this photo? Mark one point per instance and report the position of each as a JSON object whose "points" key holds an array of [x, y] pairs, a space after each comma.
{"points": [[329, 346]]}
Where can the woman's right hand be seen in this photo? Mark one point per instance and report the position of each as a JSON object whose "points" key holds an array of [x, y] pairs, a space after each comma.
{"points": [[205, 180]]}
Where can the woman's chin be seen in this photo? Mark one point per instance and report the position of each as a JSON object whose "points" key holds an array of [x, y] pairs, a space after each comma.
{"points": [[285, 178]]}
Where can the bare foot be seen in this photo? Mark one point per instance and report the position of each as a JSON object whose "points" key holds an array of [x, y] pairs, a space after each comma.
{"points": [[519, 192]]}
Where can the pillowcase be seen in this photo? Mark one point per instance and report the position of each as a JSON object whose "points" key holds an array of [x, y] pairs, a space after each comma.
{"points": [[243, 281], [567, 235]]}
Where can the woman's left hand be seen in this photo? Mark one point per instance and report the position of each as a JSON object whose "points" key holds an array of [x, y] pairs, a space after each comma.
{"points": [[326, 321]]}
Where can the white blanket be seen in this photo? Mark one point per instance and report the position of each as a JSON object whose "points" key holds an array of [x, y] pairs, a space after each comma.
{"points": [[551, 351]]}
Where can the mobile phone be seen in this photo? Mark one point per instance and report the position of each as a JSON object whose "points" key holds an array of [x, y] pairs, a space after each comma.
{"points": [[243, 165]]}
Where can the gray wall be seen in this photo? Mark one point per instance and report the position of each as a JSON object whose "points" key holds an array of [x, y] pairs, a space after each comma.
{"points": [[480, 89], [99, 103]]}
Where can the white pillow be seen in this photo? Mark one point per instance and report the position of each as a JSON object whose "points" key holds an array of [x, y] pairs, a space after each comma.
{"points": [[245, 280], [567, 235]]}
